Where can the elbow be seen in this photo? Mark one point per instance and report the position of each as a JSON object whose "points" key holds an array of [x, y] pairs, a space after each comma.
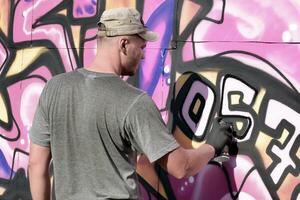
{"points": [[187, 172], [37, 169], [33, 163], [180, 175], [184, 170], [180, 163], [32, 169]]}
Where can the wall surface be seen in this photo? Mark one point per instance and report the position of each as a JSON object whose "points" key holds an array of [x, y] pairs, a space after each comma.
{"points": [[238, 59]]}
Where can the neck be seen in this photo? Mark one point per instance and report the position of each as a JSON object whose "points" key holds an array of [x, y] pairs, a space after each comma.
{"points": [[105, 62], [108, 58]]}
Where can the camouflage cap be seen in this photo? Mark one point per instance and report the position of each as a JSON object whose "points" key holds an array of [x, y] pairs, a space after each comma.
{"points": [[124, 21]]}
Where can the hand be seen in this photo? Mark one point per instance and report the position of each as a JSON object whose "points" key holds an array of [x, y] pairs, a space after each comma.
{"points": [[220, 135]]}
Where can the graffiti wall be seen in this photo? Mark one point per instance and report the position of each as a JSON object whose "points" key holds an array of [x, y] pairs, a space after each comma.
{"points": [[236, 59]]}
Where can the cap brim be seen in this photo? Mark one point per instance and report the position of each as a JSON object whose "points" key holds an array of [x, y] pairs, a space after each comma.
{"points": [[149, 36]]}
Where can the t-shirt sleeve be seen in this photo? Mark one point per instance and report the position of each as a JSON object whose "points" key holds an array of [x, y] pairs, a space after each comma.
{"points": [[39, 132], [147, 131]]}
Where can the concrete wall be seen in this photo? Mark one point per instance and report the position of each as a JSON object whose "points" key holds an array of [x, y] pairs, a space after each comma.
{"points": [[238, 59]]}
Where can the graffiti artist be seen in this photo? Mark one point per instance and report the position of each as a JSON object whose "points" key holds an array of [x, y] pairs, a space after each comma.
{"points": [[93, 124]]}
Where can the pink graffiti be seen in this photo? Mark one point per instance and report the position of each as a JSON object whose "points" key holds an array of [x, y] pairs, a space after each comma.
{"points": [[24, 96], [237, 168], [260, 28], [3, 55], [84, 8], [26, 15], [90, 47], [245, 24]]}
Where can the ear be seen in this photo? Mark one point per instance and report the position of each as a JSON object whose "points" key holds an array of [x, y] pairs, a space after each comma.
{"points": [[123, 45]]}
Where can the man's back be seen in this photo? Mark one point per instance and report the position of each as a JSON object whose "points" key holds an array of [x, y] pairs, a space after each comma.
{"points": [[90, 152]]}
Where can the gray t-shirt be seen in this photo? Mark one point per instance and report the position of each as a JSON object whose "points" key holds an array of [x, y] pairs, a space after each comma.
{"points": [[96, 124]]}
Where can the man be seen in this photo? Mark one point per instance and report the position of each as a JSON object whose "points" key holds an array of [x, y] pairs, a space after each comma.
{"points": [[93, 124]]}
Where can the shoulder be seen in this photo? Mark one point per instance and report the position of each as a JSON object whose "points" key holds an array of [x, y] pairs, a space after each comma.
{"points": [[137, 95], [143, 103], [129, 92], [132, 89], [58, 81], [63, 77]]}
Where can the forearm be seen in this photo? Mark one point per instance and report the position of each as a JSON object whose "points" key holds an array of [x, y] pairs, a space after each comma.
{"points": [[40, 186], [187, 162]]}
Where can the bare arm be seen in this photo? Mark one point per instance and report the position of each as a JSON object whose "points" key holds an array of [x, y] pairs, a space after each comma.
{"points": [[39, 179], [186, 162]]}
